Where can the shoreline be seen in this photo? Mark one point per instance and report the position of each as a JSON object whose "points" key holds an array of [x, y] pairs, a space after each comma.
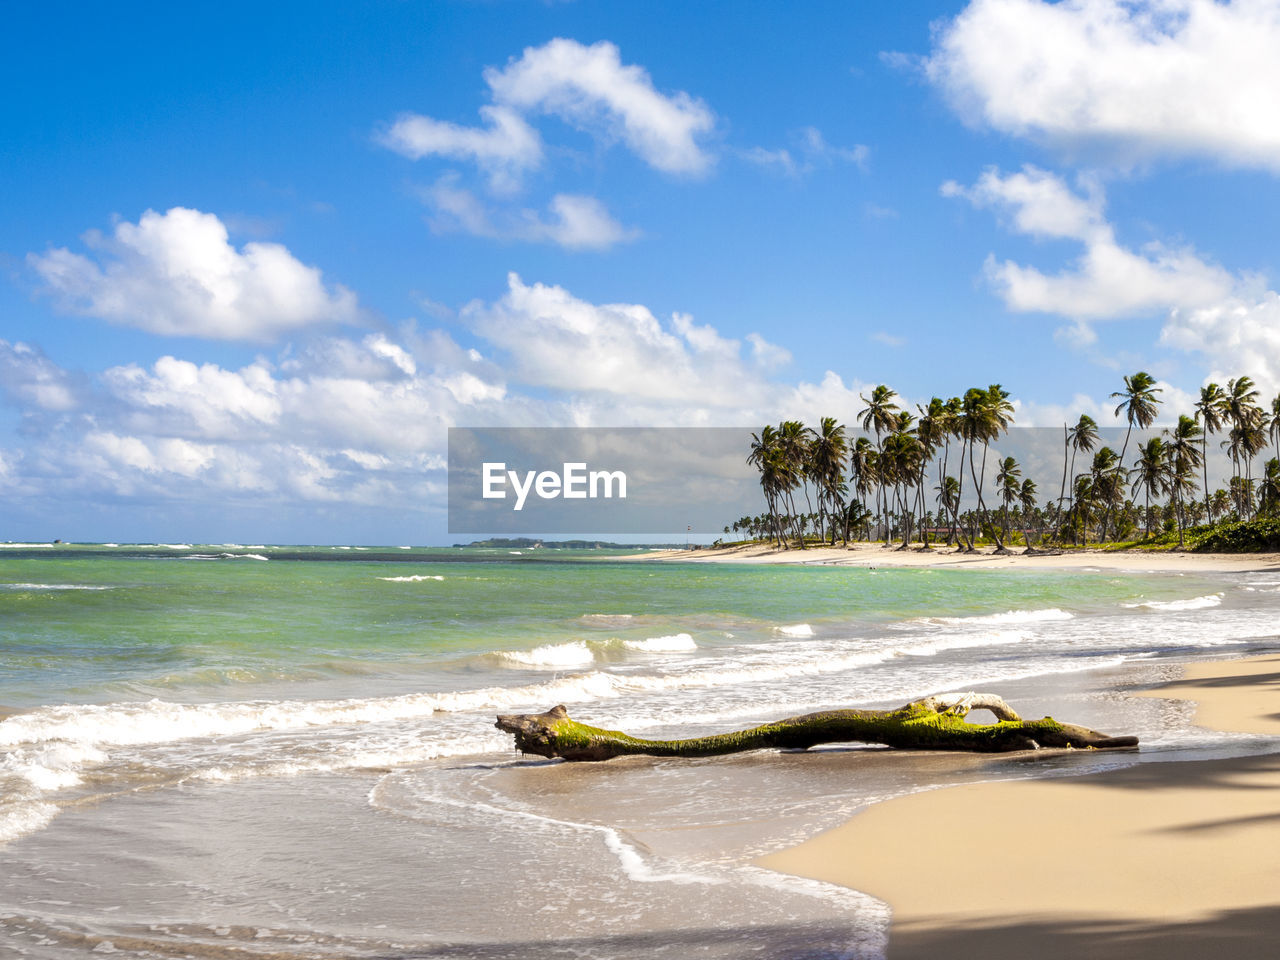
{"points": [[874, 555], [1162, 859]]}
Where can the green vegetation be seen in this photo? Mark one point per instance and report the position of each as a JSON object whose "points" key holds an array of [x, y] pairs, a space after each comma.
{"points": [[822, 485]]}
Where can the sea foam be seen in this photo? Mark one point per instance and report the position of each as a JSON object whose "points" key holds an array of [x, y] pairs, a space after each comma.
{"points": [[572, 654], [1175, 606], [675, 643], [795, 630]]}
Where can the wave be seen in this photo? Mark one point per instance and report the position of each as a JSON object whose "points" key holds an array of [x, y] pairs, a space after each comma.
{"points": [[416, 578], [52, 586], [1175, 606], [19, 819], [1046, 615], [26, 546], [676, 643], [795, 630], [575, 653]]}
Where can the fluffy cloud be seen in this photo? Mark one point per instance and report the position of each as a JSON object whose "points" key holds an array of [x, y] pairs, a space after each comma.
{"points": [[505, 149], [592, 89], [29, 379], [363, 422], [574, 222], [1135, 78], [587, 87], [1240, 335], [556, 340], [1229, 319], [1107, 280], [176, 274]]}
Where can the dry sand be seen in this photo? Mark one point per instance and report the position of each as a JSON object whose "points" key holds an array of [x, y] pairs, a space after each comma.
{"points": [[1159, 860], [870, 555]]}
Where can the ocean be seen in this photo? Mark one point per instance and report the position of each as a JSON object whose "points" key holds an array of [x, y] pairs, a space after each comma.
{"points": [[245, 751]]}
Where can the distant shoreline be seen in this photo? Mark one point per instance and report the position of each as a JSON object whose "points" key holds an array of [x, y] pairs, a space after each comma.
{"points": [[874, 555]]}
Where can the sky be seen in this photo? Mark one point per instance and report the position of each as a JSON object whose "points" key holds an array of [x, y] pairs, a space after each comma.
{"points": [[255, 260]]}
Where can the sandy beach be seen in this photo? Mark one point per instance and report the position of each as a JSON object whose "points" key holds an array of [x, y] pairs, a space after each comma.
{"points": [[1177, 859], [875, 555]]}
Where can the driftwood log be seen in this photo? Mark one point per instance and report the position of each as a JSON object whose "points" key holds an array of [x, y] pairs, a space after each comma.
{"points": [[933, 723]]}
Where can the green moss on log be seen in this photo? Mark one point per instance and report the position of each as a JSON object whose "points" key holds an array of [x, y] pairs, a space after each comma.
{"points": [[916, 726]]}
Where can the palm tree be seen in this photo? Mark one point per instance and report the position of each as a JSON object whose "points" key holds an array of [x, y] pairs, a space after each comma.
{"points": [[1139, 404], [1182, 459], [1027, 500], [1274, 429], [766, 456], [932, 430], [1219, 505], [985, 415], [827, 450], [1081, 438], [1269, 489], [1209, 411], [1149, 474], [949, 500], [793, 445], [880, 414], [1007, 478], [1106, 487], [863, 468], [1239, 409]]}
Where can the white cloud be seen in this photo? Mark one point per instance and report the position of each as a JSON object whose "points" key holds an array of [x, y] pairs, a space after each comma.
{"points": [[30, 379], [592, 89], [573, 222], [176, 274], [363, 421], [1230, 319], [1239, 336], [888, 339], [557, 340], [1107, 280], [505, 149], [587, 87], [1137, 79]]}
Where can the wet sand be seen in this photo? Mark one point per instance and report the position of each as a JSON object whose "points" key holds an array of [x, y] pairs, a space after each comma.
{"points": [[1159, 860]]}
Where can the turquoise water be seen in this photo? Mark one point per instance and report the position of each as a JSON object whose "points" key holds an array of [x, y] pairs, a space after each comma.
{"points": [[96, 625], [293, 747]]}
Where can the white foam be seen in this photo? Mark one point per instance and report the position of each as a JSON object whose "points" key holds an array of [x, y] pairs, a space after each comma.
{"points": [[795, 630], [416, 578], [175, 546], [51, 586], [572, 654], [50, 766], [675, 643], [242, 556], [20, 819], [1047, 615], [1174, 606], [26, 546]]}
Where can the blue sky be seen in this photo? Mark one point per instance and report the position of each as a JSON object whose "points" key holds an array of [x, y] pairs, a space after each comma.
{"points": [[258, 258]]}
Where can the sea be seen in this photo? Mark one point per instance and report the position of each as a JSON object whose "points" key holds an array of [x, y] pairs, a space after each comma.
{"points": [[243, 751]]}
